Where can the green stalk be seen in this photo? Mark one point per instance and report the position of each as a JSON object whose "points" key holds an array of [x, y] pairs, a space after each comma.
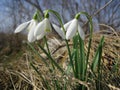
{"points": [[45, 82], [97, 56], [68, 48], [82, 55], [78, 64], [90, 39], [99, 64], [45, 40], [77, 74], [70, 56], [82, 58], [43, 59], [49, 56]]}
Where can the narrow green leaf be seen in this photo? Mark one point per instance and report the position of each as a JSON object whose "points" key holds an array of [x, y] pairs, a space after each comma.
{"points": [[49, 56], [97, 58], [36, 52], [61, 23], [45, 82], [82, 64]]}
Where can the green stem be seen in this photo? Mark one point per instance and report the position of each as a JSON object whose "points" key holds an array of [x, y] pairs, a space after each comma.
{"points": [[50, 57], [70, 56], [45, 39], [43, 59], [99, 63], [90, 39], [82, 58], [85, 63], [45, 82], [60, 21]]}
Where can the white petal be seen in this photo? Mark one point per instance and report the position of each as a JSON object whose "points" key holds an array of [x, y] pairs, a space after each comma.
{"points": [[72, 29], [48, 27], [39, 28], [31, 37], [59, 31], [41, 36], [81, 32], [31, 24], [22, 27], [67, 25]]}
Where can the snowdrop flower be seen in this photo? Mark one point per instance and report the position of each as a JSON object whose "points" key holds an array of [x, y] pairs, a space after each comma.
{"points": [[44, 28], [30, 25], [59, 31], [72, 27]]}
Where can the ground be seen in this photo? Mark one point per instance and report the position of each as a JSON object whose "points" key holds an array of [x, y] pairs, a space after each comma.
{"points": [[16, 73]]}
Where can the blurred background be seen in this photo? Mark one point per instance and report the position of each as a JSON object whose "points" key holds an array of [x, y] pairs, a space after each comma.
{"points": [[14, 12]]}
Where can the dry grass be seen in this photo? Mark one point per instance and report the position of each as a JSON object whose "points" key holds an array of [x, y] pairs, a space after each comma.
{"points": [[19, 75]]}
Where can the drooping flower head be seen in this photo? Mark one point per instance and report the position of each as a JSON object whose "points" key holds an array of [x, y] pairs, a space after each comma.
{"points": [[45, 27], [72, 27], [42, 29], [30, 26]]}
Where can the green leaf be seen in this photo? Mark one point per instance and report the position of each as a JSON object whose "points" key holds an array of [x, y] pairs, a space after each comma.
{"points": [[97, 59], [36, 52], [39, 73], [82, 63], [49, 56]]}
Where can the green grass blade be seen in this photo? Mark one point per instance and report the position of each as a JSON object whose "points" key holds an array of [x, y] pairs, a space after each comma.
{"points": [[61, 23], [98, 55], [75, 56], [45, 82], [33, 49], [49, 56], [82, 63], [76, 63]]}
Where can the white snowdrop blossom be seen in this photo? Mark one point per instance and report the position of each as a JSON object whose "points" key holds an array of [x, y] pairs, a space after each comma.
{"points": [[44, 28], [72, 27], [59, 31], [30, 26]]}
